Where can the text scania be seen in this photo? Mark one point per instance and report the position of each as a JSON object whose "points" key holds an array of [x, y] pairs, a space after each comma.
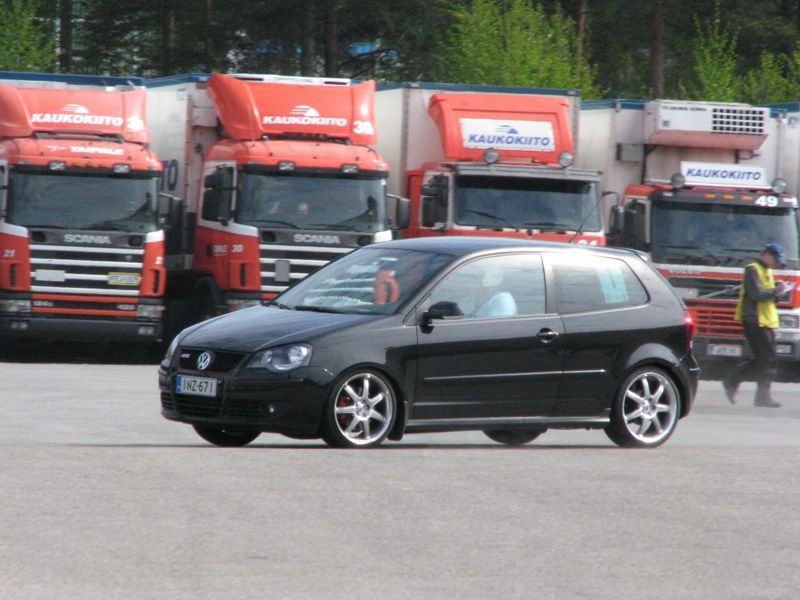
{"points": [[325, 121], [724, 174], [523, 141], [76, 119], [316, 238], [82, 238]]}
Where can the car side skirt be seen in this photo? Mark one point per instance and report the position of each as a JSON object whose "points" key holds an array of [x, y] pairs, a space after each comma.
{"points": [[431, 425]]}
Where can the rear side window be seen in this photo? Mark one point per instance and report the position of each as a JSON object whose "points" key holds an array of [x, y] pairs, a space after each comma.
{"points": [[596, 283]]}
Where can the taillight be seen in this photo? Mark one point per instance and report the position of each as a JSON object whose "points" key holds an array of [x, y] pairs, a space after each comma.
{"points": [[689, 323]]}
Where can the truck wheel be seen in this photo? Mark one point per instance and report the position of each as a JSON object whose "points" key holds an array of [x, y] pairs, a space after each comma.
{"points": [[226, 438]]}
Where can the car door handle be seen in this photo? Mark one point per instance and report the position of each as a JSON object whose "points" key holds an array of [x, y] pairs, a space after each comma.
{"points": [[547, 335]]}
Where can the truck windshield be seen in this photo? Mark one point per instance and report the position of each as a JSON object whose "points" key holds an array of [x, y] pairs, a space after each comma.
{"points": [[89, 202], [526, 203], [720, 235], [316, 202]]}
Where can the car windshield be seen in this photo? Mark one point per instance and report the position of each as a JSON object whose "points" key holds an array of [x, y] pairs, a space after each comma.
{"points": [[316, 202], [526, 203], [720, 235], [88, 202], [370, 280]]}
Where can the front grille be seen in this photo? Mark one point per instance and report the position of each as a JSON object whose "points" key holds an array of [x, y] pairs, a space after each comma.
{"points": [[198, 406], [300, 260], [249, 408], [715, 319], [221, 362], [739, 119], [91, 270], [167, 402]]}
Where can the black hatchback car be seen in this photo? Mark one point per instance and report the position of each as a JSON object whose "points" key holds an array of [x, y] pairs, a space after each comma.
{"points": [[508, 337]]}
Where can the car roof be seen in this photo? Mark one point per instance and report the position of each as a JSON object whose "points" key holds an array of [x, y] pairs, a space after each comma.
{"points": [[464, 245]]}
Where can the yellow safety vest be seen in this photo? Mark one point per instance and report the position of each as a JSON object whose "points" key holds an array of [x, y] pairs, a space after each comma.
{"points": [[767, 312]]}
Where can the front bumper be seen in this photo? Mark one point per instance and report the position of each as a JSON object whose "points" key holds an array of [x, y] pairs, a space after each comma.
{"points": [[726, 350], [251, 399], [79, 330]]}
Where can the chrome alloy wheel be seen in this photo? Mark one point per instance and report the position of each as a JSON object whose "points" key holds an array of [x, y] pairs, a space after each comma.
{"points": [[650, 407], [364, 409]]}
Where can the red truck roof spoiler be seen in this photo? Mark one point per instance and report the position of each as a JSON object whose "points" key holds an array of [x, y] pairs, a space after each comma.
{"points": [[25, 111], [517, 126], [251, 107]]}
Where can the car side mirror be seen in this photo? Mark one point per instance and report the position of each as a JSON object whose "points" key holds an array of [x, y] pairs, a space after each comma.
{"points": [[442, 310]]}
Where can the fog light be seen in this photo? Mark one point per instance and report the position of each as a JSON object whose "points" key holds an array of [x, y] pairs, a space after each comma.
{"points": [[565, 159], [149, 311], [19, 325], [491, 156], [285, 165], [349, 169], [779, 185], [57, 165], [15, 306], [121, 168], [147, 330], [677, 181]]}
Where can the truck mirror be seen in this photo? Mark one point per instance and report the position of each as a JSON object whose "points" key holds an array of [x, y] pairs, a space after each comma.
{"points": [[616, 220], [399, 210], [169, 209], [428, 211], [434, 201], [211, 204], [633, 226], [212, 180]]}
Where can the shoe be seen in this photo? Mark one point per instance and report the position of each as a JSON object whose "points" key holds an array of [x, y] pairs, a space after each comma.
{"points": [[767, 403], [730, 390]]}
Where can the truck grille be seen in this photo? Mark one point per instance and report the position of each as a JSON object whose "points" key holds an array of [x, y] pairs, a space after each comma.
{"points": [[283, 265], [77, 270], [715, 319]]}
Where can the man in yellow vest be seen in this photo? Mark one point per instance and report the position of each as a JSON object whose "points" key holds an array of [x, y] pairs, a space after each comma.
{"points": [[757, 312]]}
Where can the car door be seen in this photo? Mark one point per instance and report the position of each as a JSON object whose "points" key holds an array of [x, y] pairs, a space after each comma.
{"points": [[603, 306], [503, 357]]}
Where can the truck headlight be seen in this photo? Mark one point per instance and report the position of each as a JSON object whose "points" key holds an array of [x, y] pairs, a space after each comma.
{"points": [[15, 306], [789, 321], [282, 358], [149, 311]]}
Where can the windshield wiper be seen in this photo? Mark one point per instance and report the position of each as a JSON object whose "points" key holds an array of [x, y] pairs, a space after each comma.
{"points": [[322, 309], [488, 215], [280, 223], [549, 225], [276, 303]]}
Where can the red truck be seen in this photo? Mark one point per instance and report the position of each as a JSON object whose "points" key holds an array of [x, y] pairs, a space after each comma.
{"points": [[82, 224], [487, 161], [278, 175]]}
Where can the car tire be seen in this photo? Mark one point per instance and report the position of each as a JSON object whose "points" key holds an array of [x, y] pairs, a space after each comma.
{"points": [[513, 437], [646, 409], [226, 438], [360, 412]]}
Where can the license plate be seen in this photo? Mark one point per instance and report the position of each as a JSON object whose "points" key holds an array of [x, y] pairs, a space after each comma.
{"points": [[724, 350], [124, 279], [784, 349], [195, 386]]}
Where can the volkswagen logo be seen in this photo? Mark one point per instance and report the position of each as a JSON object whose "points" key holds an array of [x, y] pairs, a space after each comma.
{"points": [[204, 360]]}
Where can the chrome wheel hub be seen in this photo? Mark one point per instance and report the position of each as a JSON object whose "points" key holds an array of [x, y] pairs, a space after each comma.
{"points": [[650, 407], [364, 408]]}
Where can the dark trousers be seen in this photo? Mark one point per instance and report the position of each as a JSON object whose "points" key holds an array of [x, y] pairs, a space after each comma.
{"points": [[760, 368]]}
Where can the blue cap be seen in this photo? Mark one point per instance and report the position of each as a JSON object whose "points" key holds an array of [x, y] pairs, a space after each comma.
{"points": [[777, 251]]}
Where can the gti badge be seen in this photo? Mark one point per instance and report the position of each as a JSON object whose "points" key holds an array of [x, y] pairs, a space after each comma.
{"points": [[204, 360]]}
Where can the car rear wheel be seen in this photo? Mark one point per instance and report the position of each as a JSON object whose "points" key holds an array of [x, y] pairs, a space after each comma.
{"points": [[512, 437], [361, 411], [645, 411], [227, 438]]}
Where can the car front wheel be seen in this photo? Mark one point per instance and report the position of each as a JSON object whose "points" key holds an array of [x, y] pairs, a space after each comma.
{"points": [[361, 411], [227, 438], [645, 411]]}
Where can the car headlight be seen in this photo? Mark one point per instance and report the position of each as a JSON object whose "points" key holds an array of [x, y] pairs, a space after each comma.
{"points": [[282, 358], [789, 321], [171, 350]]}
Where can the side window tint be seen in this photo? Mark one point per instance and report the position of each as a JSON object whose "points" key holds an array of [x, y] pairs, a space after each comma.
{"points": [[497, 286], [596, 284]]}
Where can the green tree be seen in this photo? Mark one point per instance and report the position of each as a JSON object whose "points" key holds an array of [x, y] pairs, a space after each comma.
{"points": [[515, 43], [24, 43], [715, 63]]}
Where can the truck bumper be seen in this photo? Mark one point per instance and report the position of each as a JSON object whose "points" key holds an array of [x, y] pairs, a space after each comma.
{"points": [[79, 330]]}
